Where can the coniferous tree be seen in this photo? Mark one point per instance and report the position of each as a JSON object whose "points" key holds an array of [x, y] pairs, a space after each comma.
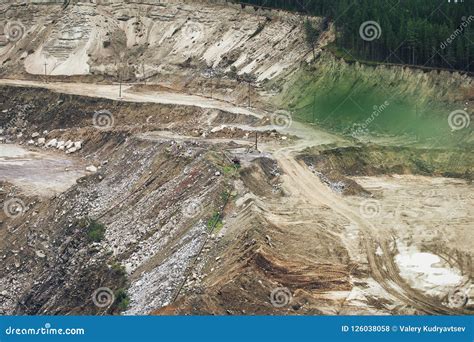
{"points": [[422, 32]]}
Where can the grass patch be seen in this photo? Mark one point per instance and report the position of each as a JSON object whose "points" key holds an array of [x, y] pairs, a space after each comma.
{"points": [[228, 170], [423, 167], [225, 195], [378, 160], [95, 230], [119, 269], [215, 222]]}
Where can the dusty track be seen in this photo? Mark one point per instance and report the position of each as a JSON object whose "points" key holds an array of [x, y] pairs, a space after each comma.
{"points": [[112, 92], [297, 179]]}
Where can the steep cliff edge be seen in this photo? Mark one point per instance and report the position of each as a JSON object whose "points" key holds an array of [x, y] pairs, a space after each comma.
{"points": [[143, 40]]}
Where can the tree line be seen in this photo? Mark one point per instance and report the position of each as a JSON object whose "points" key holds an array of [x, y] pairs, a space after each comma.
{"points": [[432, 33]]}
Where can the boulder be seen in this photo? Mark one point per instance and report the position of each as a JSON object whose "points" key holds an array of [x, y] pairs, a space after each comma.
{"points": [[40, 254], [91, 168], [52, 143], [78, 145]]}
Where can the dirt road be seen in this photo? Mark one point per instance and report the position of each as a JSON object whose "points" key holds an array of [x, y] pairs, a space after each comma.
{"points": [[112, 92], [299, 179]]}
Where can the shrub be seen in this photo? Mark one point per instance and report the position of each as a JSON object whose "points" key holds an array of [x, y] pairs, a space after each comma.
{"points": [[119, 269], [122, 301], [95, 231]]}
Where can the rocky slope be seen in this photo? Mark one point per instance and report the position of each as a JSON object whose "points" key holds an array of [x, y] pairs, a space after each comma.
{"points": [[153, 198], [150, 40]]}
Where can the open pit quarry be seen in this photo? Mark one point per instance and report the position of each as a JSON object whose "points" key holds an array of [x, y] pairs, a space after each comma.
{"points": [[156, 159]]}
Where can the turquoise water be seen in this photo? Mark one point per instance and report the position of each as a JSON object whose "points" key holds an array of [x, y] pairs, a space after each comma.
{"points": [[365, 103]]}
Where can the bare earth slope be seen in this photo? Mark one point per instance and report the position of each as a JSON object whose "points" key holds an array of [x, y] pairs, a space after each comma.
{"points": [[139, 40], [283, 227]]}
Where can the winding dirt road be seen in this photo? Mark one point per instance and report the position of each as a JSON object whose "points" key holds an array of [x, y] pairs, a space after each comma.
{"points": [[298, 178], [111, 92]]}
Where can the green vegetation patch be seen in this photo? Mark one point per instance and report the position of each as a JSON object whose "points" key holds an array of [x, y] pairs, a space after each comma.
{"points": [[95, 230], [215, 224], [363, 101], [122, 300]]}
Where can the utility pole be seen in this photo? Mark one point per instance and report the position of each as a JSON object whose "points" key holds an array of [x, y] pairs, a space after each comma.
{"points": [[45, 72], [256, 140], [120, 71], [211, 87], [143, 71], [249, 95], [120, 85]]}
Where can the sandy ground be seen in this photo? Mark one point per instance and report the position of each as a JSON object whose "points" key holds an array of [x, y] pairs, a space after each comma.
{"points": [[424, 219], [38, 173]]}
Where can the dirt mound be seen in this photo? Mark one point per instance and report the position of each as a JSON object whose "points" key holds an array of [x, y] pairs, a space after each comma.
{"points": [[261, 177], [260, 254], [302, 274]]}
